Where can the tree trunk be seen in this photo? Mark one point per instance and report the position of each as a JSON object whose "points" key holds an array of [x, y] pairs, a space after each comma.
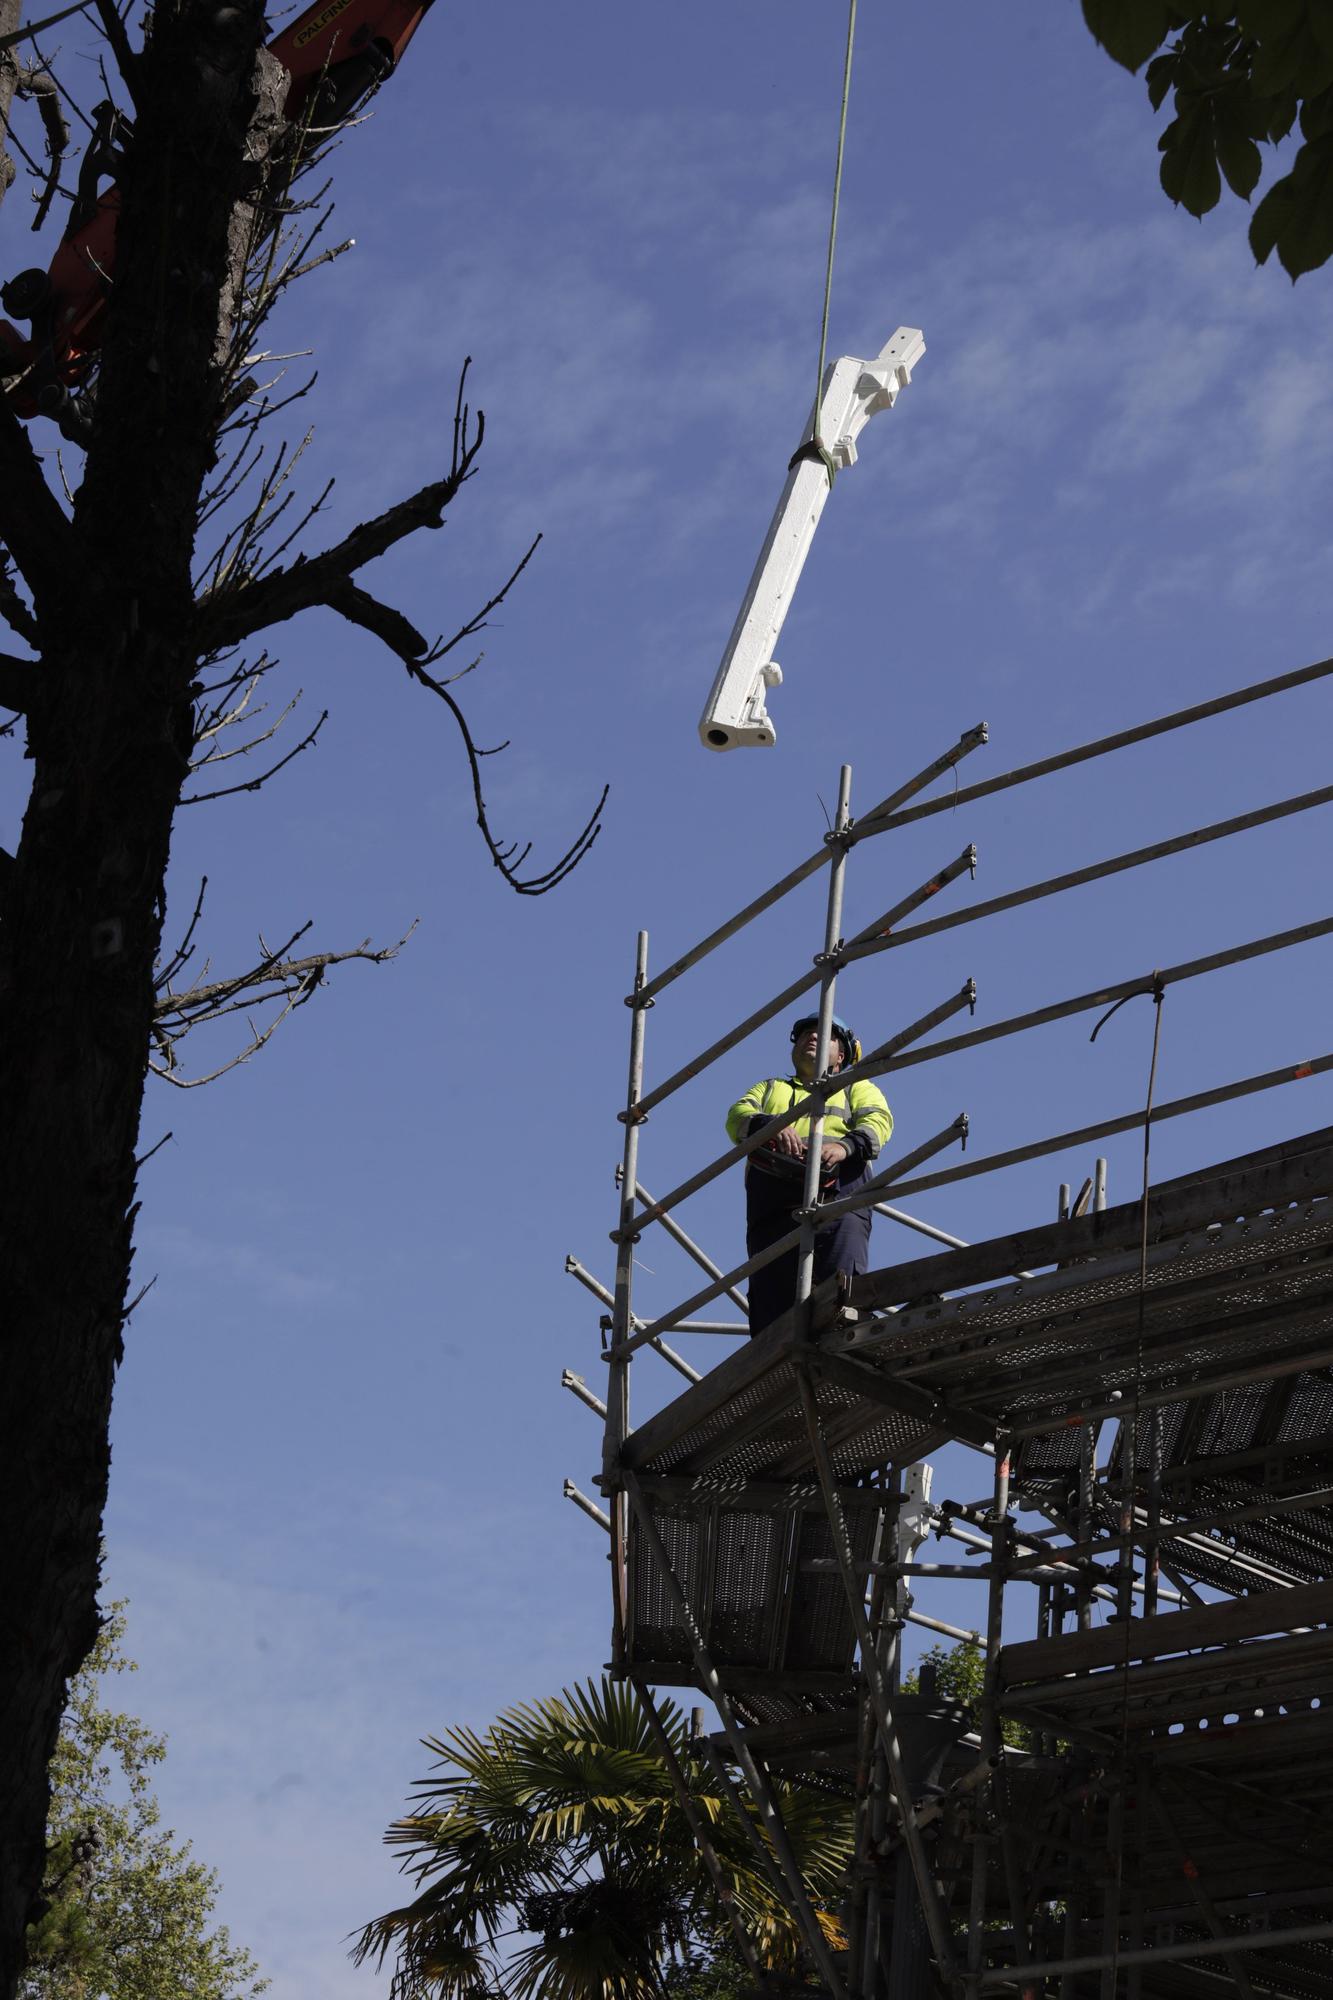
{"points": [[11, 14], [109, 731]]}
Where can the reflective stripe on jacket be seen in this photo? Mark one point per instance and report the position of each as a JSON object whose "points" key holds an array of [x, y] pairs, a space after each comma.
{"points": [[857, 1115]]}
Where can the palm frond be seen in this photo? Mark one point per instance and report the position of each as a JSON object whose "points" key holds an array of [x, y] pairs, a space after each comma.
{"points": [[562, 1819]]}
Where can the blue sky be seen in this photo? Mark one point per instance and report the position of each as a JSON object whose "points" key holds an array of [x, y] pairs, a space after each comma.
{"points": [[339, 1434]]}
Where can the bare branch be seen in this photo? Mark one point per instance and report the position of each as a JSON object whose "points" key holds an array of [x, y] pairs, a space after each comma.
{"points": [[144, 1158], [245, 671], [402, 638], [253, 743], [229, 617], [33, 525], [253, 784], [360, 608], [166, 1069], [231, 557], [16, 683], [508, 859], [209, 997], [12, 608], [119, 42], [72, 102], [253, 418], [233, 474], [313, 263], [478, 623], [138, 1299], [217, 721], [38, 27], [185, 949], [463, 672], [274, 969], [275, 981], [37, 84], [316, 506]]}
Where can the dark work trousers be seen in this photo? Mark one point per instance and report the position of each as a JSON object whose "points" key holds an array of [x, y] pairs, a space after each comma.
{"points": [[770, 1204]]}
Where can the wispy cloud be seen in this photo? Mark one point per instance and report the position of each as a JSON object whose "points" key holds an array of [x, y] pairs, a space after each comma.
{"points": [[293, 1686], [1092, 360], [175, 1251]]}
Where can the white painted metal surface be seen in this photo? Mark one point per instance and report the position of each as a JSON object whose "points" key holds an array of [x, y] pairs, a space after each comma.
{"points": [[735, 712], [916, 1516]]}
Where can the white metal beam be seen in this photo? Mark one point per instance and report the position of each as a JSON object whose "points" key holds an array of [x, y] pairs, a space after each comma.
{"points": [[854, 390]]}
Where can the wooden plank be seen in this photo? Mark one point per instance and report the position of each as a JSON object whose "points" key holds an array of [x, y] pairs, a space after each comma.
{"points": [[1170, 1632], [1298, 1174]]}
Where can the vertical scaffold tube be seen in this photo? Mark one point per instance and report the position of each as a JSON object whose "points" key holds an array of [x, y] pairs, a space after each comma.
{"points": [[805, 1265], [1083, 1520], [622, 1313], [871, 1823], [1152, 1541], [941, 1941], [989, 1752]]}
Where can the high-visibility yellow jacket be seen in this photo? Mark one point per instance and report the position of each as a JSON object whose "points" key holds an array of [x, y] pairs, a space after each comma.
{"points": [[857, 1116]]}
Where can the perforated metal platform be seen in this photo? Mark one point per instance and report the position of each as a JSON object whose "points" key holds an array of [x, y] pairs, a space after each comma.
{"points": [[1193, 1744]]}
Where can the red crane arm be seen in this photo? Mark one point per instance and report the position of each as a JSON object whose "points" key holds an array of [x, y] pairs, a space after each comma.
{"points": [[335, 53]]}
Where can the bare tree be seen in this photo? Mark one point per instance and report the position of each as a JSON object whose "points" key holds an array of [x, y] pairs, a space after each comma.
{"points": [[137, 693]]}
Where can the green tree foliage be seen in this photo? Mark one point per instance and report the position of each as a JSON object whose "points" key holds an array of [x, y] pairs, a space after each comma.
{"points": [[960, 1676], [129, 1910], [553, 1861], [960, 1673], [716, 1971], [1240, 77]]}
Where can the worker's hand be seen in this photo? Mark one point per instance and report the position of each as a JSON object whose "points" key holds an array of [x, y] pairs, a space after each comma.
{"points": [[832, 1153], [786, 1141]]}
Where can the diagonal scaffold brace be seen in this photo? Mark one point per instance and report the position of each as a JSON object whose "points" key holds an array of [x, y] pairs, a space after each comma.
{"points": [[761, 1792]]}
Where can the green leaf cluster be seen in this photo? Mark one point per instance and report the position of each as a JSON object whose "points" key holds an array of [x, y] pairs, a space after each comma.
{"points": [[960, 1676], [1239, 78], [552, 1860], [128, 1908]]}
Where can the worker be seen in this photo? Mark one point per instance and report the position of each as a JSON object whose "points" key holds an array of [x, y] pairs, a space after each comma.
{"points": [[857, 1123]]}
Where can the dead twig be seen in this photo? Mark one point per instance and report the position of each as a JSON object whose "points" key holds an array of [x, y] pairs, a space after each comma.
{"points": [[185, 949], [39, 27], [509, 860], [275, 980], [35, 83], [119, 42], [253, 784], [33, 525], [12, 608], [230, 616]]}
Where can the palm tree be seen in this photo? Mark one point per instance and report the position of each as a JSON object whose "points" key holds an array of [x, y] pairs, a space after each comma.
{"points": [[553, 1861]]}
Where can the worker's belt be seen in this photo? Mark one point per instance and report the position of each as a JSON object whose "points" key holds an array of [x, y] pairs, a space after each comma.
{"points": [[786, 1167]]}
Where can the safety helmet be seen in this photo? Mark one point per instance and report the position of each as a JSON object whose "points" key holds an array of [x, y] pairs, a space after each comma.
{"points": [[851, 1048]]}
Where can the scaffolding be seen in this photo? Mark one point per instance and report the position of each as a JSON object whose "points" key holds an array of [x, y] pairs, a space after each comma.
{"points": [[1138, 1806]]}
